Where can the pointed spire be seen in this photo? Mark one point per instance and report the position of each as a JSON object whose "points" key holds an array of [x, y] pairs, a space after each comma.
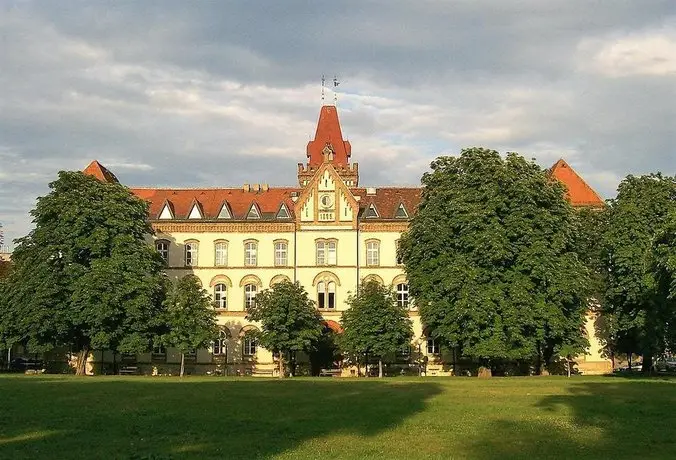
{"points": [[578, 191], [97, 170], [328, 134]]}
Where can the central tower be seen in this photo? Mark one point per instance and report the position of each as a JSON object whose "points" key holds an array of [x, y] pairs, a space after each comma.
{"points": [[329, 146]]}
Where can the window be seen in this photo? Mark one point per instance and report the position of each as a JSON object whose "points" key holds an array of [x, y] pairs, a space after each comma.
{"points": [[401, 212], [250, 291], [372, 253], [402, 295], [371, 212], [162, 247], [250, 249], [159, 354], [249, 345], [281, 254], [253, 213], [326, 295], [326, 253], [191, 254], [283, 212], [432, 346], [221, 254], [220, 345], [221, 296]]}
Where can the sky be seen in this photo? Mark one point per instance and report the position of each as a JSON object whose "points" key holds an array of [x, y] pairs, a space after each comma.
{"points": [[188, 94]]}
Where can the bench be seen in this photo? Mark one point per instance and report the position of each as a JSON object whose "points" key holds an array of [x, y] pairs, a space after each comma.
{"points": [[263, 372], [129, 370], [330, 373]]}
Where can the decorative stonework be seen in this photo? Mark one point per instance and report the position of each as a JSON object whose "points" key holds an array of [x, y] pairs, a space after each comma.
{"points": [[384, 227], [213, 227]]}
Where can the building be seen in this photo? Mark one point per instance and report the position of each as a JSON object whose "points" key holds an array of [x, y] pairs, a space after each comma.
{"points": [[328, 232], [5, 254]]}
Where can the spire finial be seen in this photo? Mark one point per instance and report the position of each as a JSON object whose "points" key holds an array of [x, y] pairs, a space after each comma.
{"points": [[323, 84], [335, 90]]}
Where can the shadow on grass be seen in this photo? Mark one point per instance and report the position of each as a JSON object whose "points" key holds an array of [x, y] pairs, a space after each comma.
{"points": [[615, 418], [194, 418]]}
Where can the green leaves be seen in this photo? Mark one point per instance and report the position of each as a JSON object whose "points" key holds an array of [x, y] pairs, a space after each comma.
{"points": [[490, 257], [288, 318], [85, 277], [374, 324], [191, 321]]}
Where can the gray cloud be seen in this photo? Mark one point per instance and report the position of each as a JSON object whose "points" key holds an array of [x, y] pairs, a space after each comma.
{"points": [[179, 93]]}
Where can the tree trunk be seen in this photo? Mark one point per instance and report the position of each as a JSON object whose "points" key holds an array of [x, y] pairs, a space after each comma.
{"points": [[380, 368], [182, 365], [629, 360], [647, 366], [538, 361], [281, 365], [81, 366], [568, 365]]}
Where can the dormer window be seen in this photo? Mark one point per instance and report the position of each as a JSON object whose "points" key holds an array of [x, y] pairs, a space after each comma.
{"points": [[166, 213], [225, 213], [253, 213], [401, 212], [283, 212], [195, 212], [371, 212]]}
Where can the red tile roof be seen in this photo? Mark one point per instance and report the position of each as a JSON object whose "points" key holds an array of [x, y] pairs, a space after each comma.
{"points": [[328, 132], [99, 171], [387, 200], [578, 191]]}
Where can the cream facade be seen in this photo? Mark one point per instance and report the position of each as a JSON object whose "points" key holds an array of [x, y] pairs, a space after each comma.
{"points": [[326, 233]]}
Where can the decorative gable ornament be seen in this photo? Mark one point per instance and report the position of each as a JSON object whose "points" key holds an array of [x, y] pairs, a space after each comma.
{"points": [[224, 213], [401, 212], [195, 211], [283, 212], [167, 212], [254, 212], [371, 212]]}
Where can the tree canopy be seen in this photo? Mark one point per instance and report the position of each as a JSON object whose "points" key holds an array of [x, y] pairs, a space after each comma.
{"points": [[491, 259], [289, 320], [375, 325], [191, 320], [638, 245], [85, 277]]}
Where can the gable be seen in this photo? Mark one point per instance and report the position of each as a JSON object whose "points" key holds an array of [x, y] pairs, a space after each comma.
{"points": [[327, 200]]}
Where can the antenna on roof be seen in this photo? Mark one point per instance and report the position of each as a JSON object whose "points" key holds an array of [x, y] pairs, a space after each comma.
{"points": [[335, 90], [323, 81]]}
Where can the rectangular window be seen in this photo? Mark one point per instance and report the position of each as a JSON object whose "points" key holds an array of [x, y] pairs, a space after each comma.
{"points": [[281, 254], [250, 291], [250, 249], [432, 347], [402, 295], [249, 346], [326, 253], [163, 248], [373, 253], [191, 254], [221, 254], [331, 255]]}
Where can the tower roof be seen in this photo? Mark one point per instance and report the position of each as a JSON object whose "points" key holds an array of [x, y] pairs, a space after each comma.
{"points": [[328, 134], [97, 170], [579, 192]]}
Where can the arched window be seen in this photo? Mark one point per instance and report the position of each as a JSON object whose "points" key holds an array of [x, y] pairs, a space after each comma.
{"points": [[432, 346], [281, 254], [326, 295], [249, 345], [402, 295], [221, 296], [250, 291], [373, 253], [220, 344], [250, 253], [191, 252], [162, 247], [221, 254]]}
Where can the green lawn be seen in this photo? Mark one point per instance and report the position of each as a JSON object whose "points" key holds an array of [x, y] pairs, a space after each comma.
{"points": [[162, 418]]}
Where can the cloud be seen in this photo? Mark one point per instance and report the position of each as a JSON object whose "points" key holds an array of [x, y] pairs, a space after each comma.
{"points": [[174, 93]]}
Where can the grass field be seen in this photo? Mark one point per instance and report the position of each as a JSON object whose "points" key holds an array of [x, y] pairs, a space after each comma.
{"points": [[165, 418]]}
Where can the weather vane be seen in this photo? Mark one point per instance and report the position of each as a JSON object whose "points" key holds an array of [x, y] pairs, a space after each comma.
{"points": [[323, 84], [335, 90]]}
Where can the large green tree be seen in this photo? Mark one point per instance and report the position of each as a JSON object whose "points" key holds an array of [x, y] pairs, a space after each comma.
{"points": [[375, 325], [289, 320], [491, 261], [191, 320], [637, 242], [84, 277]]}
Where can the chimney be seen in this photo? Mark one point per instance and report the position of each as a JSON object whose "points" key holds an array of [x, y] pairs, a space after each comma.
{"points": [[370, 191], [246, 187], [256, 187], [265, 187]]}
